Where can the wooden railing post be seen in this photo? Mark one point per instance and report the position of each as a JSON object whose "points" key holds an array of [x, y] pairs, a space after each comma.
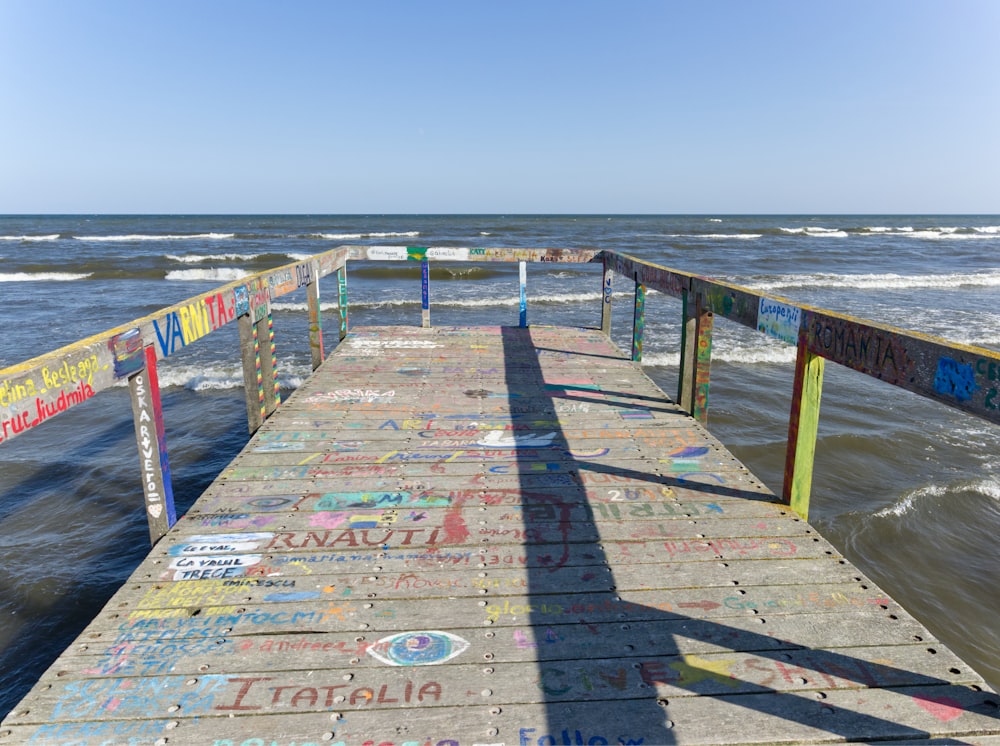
{"points": [[803, 426], [315, 318], [150, 437], [696, 357], [522, 274], [638, 320], [703, 367], [250, 354], [342, 299], [425, 293], [685, 375], [607, 291], [268, 366]]}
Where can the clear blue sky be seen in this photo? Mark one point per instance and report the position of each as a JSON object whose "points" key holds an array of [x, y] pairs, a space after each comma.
{"points": [[252, 106]]}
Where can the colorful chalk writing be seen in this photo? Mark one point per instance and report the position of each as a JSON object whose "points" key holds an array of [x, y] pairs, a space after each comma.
{"points": [[418, 648]]}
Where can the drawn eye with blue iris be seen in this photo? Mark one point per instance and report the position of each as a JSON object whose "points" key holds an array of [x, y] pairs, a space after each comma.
{"points": [[418, 648]]}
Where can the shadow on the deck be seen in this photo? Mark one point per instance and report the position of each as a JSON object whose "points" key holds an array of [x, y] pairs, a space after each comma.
{"points": [[576, 713]]}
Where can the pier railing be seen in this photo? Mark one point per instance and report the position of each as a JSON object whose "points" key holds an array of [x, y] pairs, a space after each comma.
{"points": [[960, 376]]}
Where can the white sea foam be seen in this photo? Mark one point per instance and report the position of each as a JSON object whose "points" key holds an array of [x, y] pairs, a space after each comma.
{"points": [[50, 237], [199, 258], [383, 234], [817, 232], [766, 354], [715, 236], [908, 502], [987, 278], [166, 237], [943, 232], [222, 377], [43, 276], [216, 274]]}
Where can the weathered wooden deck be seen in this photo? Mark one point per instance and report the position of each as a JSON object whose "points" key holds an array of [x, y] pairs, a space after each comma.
{"points": [[496, 536]]}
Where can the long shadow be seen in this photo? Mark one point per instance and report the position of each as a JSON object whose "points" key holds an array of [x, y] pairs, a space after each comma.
{"points": [[606, 692]]}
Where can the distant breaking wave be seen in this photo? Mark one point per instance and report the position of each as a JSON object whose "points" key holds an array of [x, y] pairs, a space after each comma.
{"points": [[199, 258], [43, 276], [874, 281], [167, 237], [220, 274], [945, 232], [349, 236], [768, 354], [50, 237], [716, 236]]}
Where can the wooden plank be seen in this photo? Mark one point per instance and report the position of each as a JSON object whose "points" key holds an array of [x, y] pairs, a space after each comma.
{"points": [[487, 568]]}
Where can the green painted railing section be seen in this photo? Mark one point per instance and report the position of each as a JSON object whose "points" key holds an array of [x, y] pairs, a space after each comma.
{"points": [[960, 376]]}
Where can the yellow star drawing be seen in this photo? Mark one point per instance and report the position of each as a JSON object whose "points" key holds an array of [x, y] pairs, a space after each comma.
{"points": [[693, 669]]}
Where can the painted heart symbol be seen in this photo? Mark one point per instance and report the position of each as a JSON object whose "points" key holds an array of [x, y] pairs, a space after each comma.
{"points": [[943, 708], [155, 510]]}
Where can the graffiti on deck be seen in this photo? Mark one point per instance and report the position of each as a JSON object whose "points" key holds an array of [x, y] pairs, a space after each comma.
{"points": [[418, 648], [499, 439], [216, 543], [201, 567], [352, 396], [340, 500]]}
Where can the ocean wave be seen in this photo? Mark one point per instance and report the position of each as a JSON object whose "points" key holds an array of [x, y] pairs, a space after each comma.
{"points": [[164, 237], [352, 236], [222, 378], [816, 231], [199, 258], [44, 276], [905, 231], [50, 237], [216, 274], [770, 354], [989, 278], [715, 236], [911, 500]]}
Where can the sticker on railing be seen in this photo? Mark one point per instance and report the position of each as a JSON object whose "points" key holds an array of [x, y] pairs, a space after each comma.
{"points": [[779, 320]]}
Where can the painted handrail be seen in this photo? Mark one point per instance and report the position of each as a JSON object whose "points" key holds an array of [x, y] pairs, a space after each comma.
{"points": [[34, 391], [960, 376]]}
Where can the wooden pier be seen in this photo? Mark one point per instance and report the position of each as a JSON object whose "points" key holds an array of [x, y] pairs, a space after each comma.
{"points": [[496, 535]]}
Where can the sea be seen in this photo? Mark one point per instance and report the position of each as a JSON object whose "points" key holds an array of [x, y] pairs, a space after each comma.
{"points": [[905, 487]]}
